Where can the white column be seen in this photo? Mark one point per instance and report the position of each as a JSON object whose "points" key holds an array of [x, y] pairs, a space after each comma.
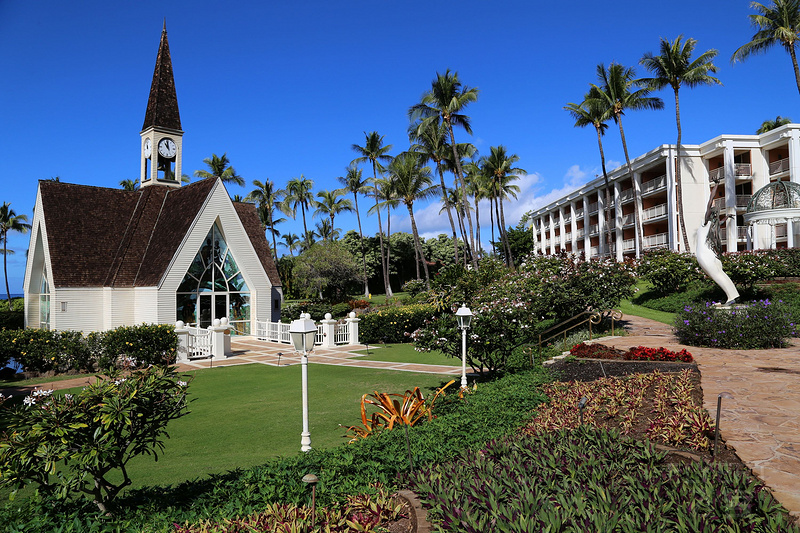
{"points": [[601, 223], [220, 338], [183, 342], [352, 327], [543, 240], [673, 225], [618, 235], [750, 234], [328, 331], [794, 156], [756, 238], [561, 238], [573, 226], [551, 225], [730, 196], [789, 234], [587, 241], [637, 186]]}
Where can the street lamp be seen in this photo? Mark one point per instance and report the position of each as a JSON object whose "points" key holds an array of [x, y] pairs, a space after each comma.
{"points": [[464, 317], [303, 330]]}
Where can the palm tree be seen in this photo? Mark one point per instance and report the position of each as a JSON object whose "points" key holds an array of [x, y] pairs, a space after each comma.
{"points": [[10, 221], [769, 125], [674, 67], [777, 24], [353, 183], [430, 140], [326, 231], [291, 241], [129, 185], [618, 91], [478, 188], [267, 197], [331, 203], [445, 102], [220, 168], [413, 182], [376, 153], [298, 192], [386, 191], [586, 113], [498, 166]]}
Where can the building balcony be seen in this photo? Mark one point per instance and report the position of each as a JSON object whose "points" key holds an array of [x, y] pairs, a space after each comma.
{"points": [[718, 174], [743, 170], [741, 234], [656, 241], [567, 219], [594, 250], [579, 234], [594, 229], [628, 245], [742, 200], [593, 207], [578, 214], [628, 220], [652, 213], [626, 195], [779, 166], [568, 237], [654, 185]]}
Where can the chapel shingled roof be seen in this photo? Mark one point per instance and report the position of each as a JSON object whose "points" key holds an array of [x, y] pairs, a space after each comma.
{"points": [[162, 104], [101, 237]]}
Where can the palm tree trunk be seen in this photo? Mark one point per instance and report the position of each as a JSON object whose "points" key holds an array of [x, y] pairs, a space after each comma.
{"points": [[478, 227], [794, 64], [363, 254], [449, 214], [418, 247], [5, 268], [305, 228], [491, 222], [384, 264], [388, 248], [274, 244], [505, 235], [608, 187], [678, 184], [637, 215], [460, 179], [499, 225]]}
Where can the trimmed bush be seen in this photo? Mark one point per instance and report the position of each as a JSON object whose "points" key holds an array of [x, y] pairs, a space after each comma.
{"points": [[393, 324], [761, 324], [138, 346], [750, 267], [669, 272]]}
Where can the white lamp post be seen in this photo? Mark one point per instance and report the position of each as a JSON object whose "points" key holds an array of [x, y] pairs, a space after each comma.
{"points": [[303, 331], [464, 316]]}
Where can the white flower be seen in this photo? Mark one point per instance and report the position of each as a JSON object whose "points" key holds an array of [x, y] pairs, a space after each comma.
{"points": [[182, 383], [119, 381], [29, 400], [40, 392], [68, 396]]}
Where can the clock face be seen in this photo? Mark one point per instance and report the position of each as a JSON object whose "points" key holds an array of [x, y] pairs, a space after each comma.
{"points": [[167, 148], [148, 148]]}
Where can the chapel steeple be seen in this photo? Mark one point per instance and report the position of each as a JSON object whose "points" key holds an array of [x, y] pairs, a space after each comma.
{"points": [[162, 137]]}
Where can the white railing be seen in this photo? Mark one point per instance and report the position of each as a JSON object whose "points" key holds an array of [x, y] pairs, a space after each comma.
{"points": [[780, 231], [655, 212], [320, 335], [579, 233], [568, 237], [594, 250], [626, 195], [627, 220], [628, 245], [567, 219], [742, 200], [342, 334], [578, 213], [654, 184], [741, 234], [593, 207], [742, 170], [660, 239], [594, 228], [779, 166], [719, 203], [199, 343], [717, 174]]}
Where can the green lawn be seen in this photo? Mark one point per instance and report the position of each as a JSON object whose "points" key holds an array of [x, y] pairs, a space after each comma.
{"points": [[405, 353], [10, 384], [244, 415]]}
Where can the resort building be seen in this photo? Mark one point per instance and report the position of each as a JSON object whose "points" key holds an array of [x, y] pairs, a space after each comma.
{"points": [[100, 258], [743, 164]]}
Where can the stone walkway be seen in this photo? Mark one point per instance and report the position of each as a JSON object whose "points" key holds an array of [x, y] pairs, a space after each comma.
{"points": [[762, 421]]}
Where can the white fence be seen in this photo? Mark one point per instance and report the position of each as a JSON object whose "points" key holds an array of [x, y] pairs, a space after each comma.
{"points": [[199, 343], [329, 332]]}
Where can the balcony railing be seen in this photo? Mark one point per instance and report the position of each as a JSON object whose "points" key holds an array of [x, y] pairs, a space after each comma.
{"points": [[654, 212], [626, 195], [742, 170], [741, 234], [742, 200], [579, 234], [627, 220], [717, 174], [628, 245], [568, 237], [655, 184], [578, 214], [593, 207], [594, 250], [653, 241], [594, 229], [780, 231], [567, 219], [779, 166]]}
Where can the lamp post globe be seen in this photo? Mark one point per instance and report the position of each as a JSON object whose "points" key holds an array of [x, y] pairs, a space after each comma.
{"points": [[303, 331], [464, 317]]}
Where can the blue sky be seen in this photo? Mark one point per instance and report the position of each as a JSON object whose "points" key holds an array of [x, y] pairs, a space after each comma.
{"points": [[285, 88]]}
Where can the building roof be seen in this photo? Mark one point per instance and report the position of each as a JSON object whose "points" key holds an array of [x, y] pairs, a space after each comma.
{"points": [[101, 237], [162, 105]]}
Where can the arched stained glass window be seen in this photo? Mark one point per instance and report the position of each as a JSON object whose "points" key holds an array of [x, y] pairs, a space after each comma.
{"points": [[214, 287]]}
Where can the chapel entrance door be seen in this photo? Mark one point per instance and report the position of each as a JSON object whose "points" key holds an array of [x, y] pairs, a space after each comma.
{"points": [[212, 306]]}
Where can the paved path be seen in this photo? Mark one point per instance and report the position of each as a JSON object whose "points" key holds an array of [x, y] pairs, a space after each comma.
{"points": [[762, 421]]}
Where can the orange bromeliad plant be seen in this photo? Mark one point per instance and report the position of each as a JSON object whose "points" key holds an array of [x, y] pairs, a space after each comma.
{"points": [[394, 409]]}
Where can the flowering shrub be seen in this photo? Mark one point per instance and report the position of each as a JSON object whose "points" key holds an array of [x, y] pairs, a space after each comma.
{"points": [[761, 324], [749, 267], [413, 287], [82, 443], [639, 353], [40, 350], [142, 345], [669, 271], [393, 324]]}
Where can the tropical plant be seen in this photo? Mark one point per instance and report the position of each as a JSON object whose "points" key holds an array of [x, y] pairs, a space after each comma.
{"points": [[769, 125], [331, 203], [326, 270], [220, 167], [386, 196], [82, 443], [776, 24], [10, 221], [291, 241], [129, 185], [500, 171], [267, 198], [298, 192], [592, 112], [478, 188], [618, 91], [325, 230], [376, 154], [444, 103], [412, 182], [674, 67], [353, 183]]}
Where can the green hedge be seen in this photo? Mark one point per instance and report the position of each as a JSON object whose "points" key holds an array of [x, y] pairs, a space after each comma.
{"points": [[317, 310], [393, 324], [40, 350]]}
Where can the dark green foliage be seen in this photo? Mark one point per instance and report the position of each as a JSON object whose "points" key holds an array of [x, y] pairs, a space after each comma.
{"points": [[669, 272], [520, 240], [12, 319], [137, 346], [393, 324], [591, 480], [317, 310], [414, 287], [327, 270], [676, 301], [496, 409], [285, 266], [761, 324]]}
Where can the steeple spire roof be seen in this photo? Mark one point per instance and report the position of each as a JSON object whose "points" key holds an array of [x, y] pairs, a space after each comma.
{"points": [[162, 105]]}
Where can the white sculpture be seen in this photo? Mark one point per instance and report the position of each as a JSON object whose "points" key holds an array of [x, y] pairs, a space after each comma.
{"points": [[708, 250]]}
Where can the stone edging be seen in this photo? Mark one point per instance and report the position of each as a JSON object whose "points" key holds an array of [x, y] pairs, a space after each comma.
{"points": [[419, 515]]}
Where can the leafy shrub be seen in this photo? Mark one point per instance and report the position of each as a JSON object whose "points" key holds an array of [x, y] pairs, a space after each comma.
{"points": [[81, 443], [761, 324], [668, 271], [576, 481], [317, 309], [750, 267], [358, 304], [413, 287], [12, 319], [37, 350], [595, 351], [142, 345], [789, 259], [393, 324]]}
